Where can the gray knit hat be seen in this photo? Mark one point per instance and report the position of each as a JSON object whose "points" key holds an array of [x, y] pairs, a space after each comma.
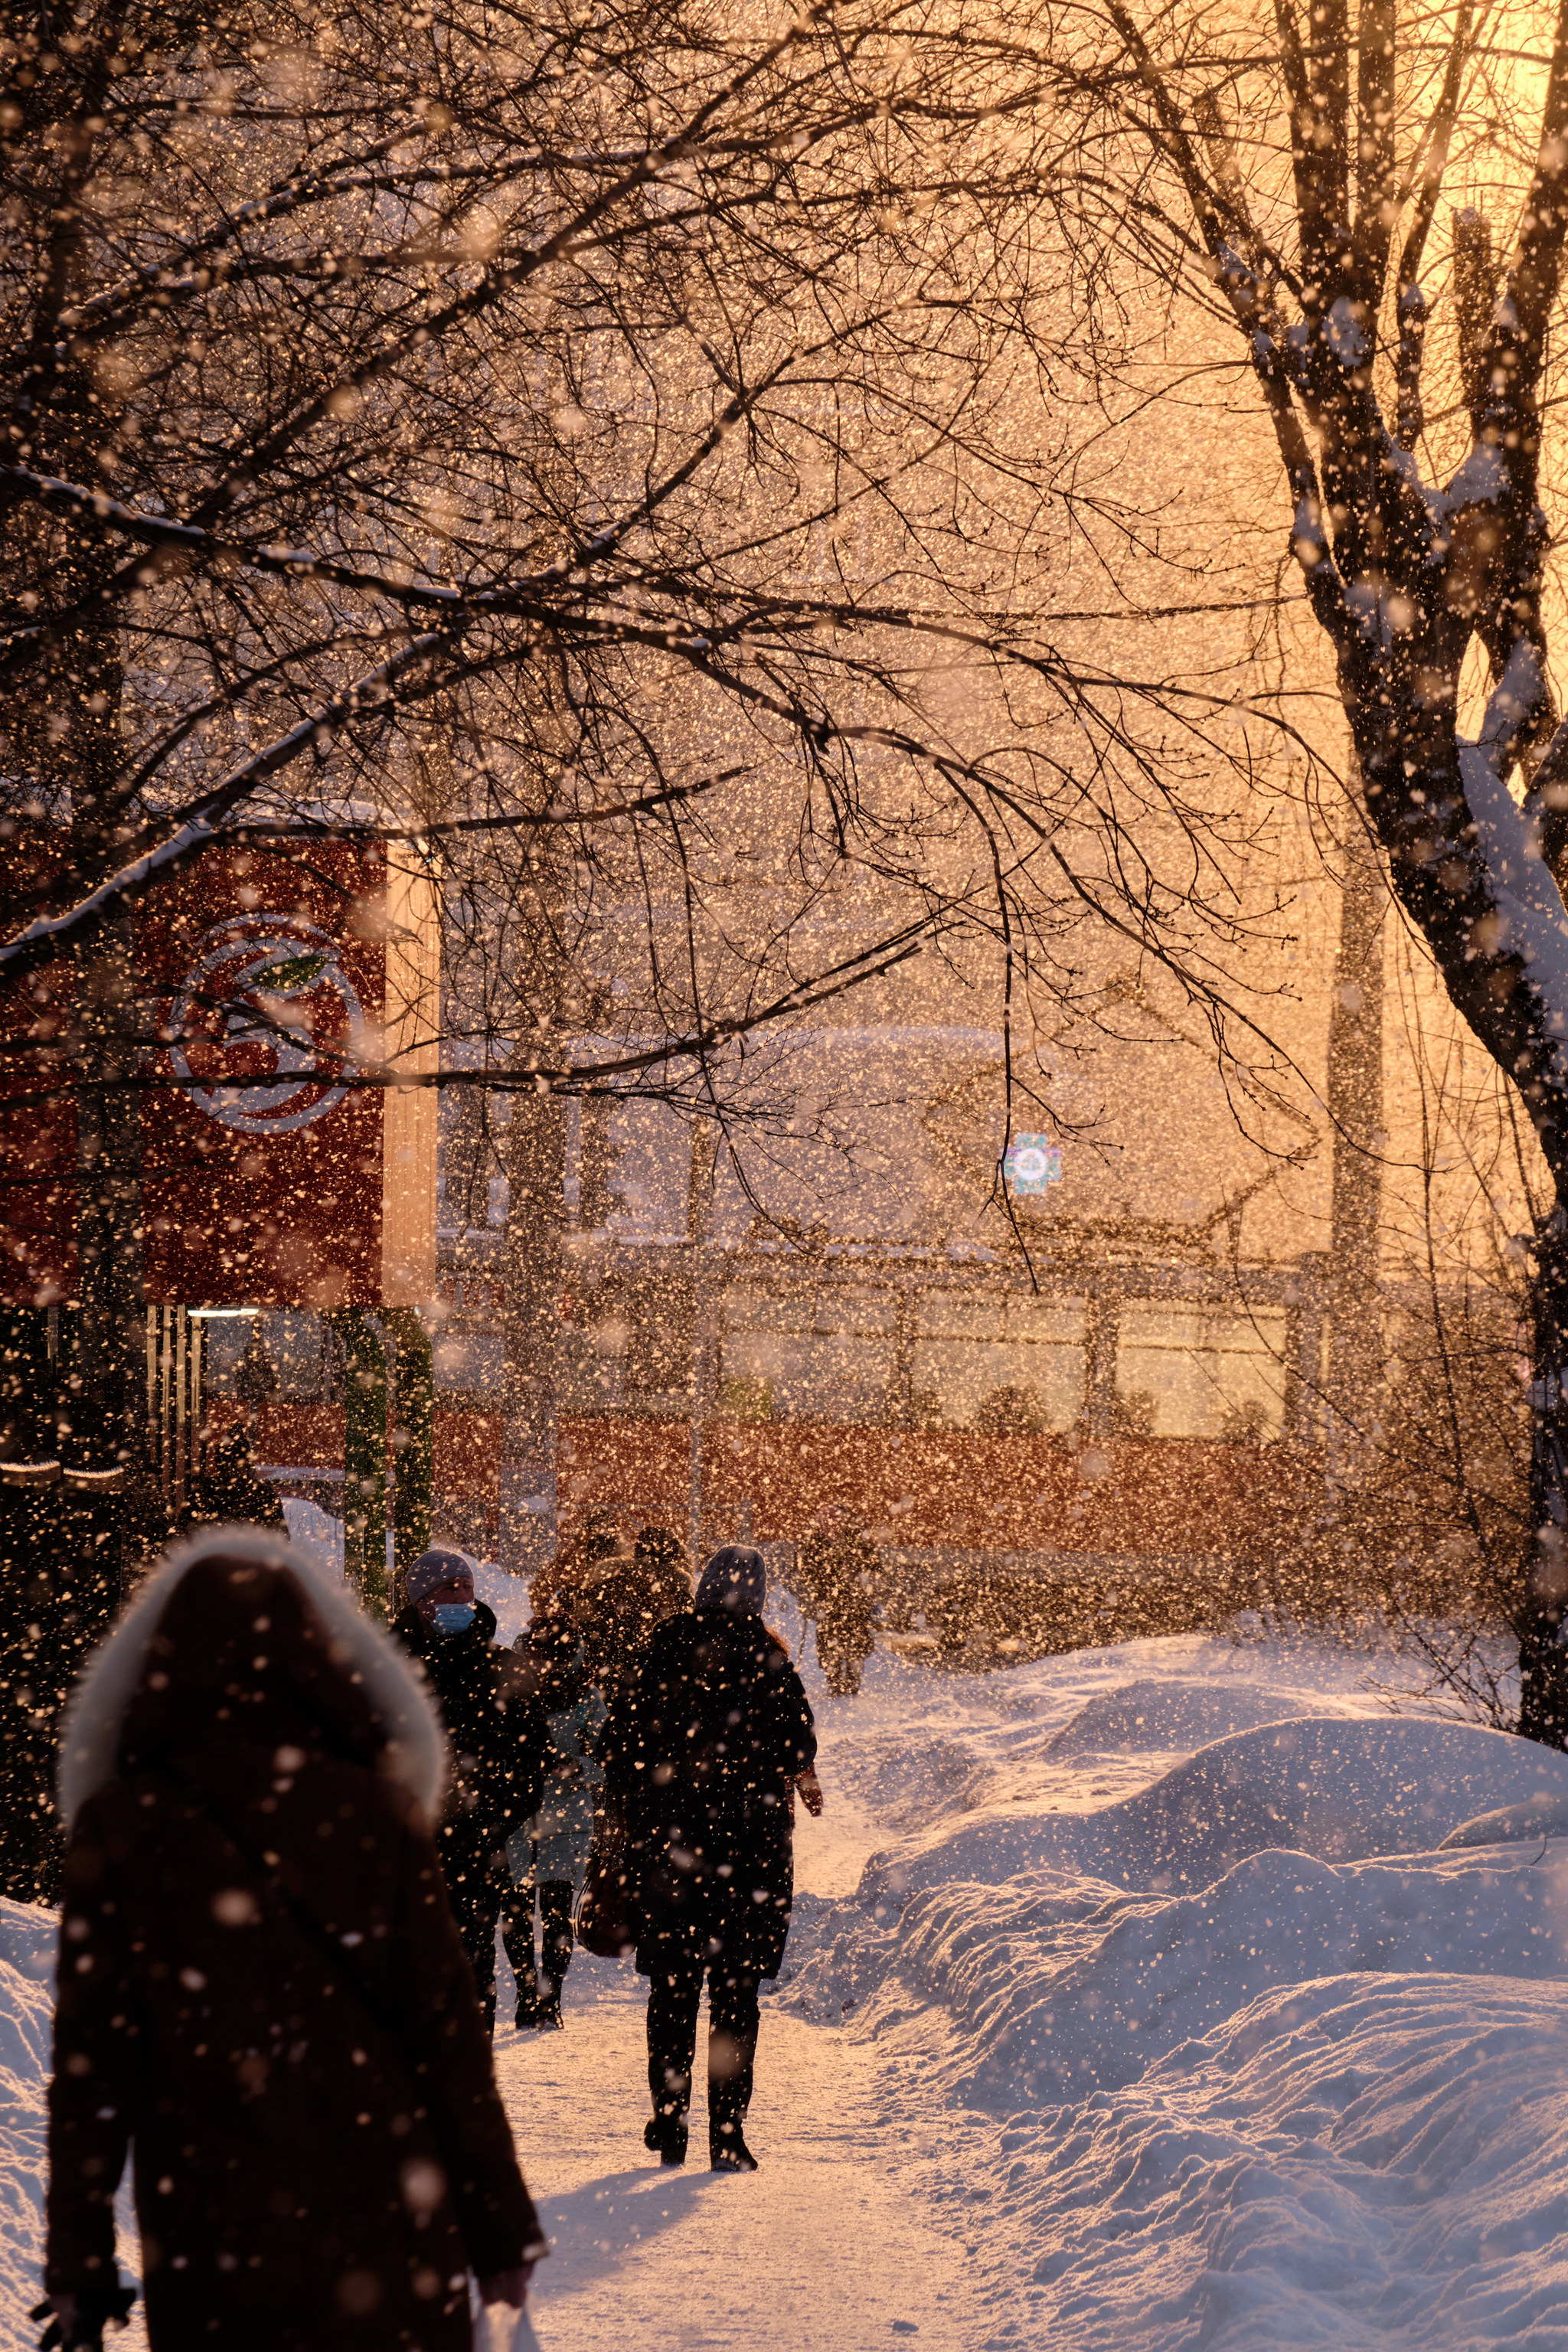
{"points": [[735, 1577], [434, 1568]]}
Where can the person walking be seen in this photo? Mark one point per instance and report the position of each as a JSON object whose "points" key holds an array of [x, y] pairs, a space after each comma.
{"points": [[837, 1568], [227, 1491], [261, 1990], [500, 1746], [548, 1856], [702, 1757]]}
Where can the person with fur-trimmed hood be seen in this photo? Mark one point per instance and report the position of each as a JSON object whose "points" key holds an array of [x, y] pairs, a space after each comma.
{"points": [[261, 1990], [703, 1759]]}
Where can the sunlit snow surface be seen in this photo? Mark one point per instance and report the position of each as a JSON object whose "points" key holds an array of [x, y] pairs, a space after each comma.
{"points": [[1178, 1995], [1218, 2048], [28, 1940]]}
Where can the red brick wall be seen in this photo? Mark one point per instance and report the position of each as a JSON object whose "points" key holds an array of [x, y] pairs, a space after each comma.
{"points": [[991, 1493]]}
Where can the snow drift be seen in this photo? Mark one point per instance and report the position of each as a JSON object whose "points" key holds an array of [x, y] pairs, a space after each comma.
{"points": [[1270, 2049], [1374, 2163], [1331, 1788], [27, 1940]]}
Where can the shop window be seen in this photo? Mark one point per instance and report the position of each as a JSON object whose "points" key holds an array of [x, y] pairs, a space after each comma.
{"points": [[469, 1361], [1002, 1365], [1191, 1372], [803, 1356]]}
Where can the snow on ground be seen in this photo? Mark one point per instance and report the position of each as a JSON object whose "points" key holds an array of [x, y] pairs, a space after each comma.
{"points": [[1228, 2053], [1174, 1995], [824, 2250], [26, 1970], [317, 1534], [27, 1940]]}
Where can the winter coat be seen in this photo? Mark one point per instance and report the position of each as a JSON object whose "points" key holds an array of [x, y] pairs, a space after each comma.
{"points": [[702, 1756], [836, 1575], [554, 1845], [493, 1721], [261, 1990], [228, 1493]]}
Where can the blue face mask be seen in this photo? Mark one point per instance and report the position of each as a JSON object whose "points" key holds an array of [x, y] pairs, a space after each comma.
{"points": [[452, 1616]]}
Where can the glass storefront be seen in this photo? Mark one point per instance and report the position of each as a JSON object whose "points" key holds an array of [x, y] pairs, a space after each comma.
{"points": [[827, 1355], [1185, 1372], [997, 1364]]}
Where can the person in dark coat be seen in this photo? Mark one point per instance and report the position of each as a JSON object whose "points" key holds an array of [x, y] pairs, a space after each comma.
{"points": [[702, 1759], [261, 1989], [837, 1568], [227, 1491], [500, 1746]]}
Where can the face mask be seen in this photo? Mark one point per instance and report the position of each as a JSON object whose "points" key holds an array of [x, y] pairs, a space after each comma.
{"points": [[452, 1616]]}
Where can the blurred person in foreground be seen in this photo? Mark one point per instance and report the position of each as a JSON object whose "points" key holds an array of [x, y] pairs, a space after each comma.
{"points": [[261, 1989], [499, 1741], [703, 1756]]}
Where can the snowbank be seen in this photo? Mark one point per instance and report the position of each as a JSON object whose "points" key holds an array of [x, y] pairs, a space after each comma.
{"points": [[29, 1936], [1146, 1714], [1375, 2164], [316, 1534], [1062, 1994], [1243, 2001], [27, 2007], [1335, 1789]]}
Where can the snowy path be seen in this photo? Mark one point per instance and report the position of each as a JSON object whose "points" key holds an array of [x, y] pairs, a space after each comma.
{"points": [[825, 2250]]}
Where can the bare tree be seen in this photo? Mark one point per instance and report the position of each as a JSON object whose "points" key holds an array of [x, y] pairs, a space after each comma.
{"points": [[1292, 190], [596, 440]]}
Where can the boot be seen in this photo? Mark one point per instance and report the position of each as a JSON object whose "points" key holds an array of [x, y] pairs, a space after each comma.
{"points": [[665, 2136], [525, 1968], [547, 2008], [727, 2151]]}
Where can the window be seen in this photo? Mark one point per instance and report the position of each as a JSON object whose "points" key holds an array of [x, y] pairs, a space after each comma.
{"points": [[998, 1364], [805, 1355], [1191, 1372], [299, 1348], [469, 1361]]}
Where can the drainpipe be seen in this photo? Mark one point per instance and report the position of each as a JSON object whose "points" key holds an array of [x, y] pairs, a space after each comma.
{"points": [[413, 1439]]}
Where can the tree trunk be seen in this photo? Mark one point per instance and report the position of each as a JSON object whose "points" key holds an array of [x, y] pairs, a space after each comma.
{"points": [[1542, 1653], [109, 1424], [536, 1171], [1354, 1369]]}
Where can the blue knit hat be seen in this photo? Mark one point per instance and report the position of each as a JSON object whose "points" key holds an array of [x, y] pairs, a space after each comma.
{"points": [[736, 1579]]}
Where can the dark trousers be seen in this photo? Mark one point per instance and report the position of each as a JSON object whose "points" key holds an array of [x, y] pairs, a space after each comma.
{"points": [[543, 1980], [473, 1863], [675, 1993]]}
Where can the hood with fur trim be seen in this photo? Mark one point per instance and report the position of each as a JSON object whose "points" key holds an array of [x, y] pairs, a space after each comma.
{"points": [[95, 1721]]}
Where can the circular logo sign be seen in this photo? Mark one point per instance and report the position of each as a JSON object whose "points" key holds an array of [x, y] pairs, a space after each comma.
{"points": [[1029, 1164], [264, 1007]]}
